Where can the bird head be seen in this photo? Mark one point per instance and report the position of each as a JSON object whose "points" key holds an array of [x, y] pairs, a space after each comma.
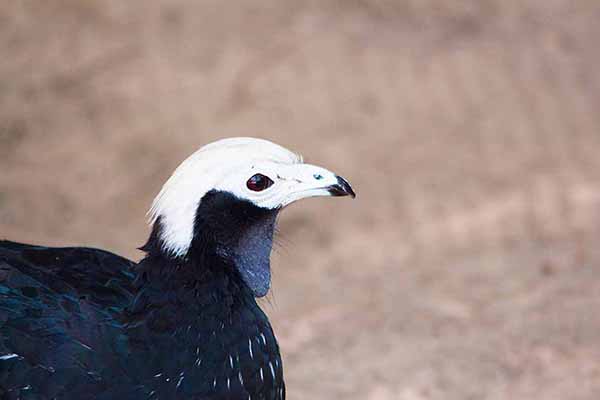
{"points": [[225, 197]]}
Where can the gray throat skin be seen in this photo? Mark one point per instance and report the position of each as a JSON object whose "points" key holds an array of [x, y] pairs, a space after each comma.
{"points": [[252, 255]]}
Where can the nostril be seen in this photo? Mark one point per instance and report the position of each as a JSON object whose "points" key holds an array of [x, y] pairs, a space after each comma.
{"points": [[318, 176]]}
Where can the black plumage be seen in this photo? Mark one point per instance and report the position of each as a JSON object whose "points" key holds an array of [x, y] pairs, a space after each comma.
{"points": [[183, 323], [82, 323]]}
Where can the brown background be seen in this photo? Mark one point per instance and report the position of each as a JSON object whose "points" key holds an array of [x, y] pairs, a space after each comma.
{"points": [[467, 268]]}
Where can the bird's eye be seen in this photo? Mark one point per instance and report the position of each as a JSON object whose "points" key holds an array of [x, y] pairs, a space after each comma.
{"points": [[259, 182]]}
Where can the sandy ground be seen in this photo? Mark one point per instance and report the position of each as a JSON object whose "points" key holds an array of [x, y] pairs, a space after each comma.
{"points": [[467, 268]]}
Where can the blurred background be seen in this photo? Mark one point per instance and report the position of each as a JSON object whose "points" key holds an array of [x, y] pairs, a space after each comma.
{"points": [[468, 267]]}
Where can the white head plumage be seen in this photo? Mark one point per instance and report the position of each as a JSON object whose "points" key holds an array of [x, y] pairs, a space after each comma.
{"points": [[227, 165]]}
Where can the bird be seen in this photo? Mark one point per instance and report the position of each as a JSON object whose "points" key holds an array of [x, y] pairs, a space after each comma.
{"points": [[181, 323]]}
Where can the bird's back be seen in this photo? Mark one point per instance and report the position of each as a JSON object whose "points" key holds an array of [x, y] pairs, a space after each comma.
{"points": [[59, 311]]}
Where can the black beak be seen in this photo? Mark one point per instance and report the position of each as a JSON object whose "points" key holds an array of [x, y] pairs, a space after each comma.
{"points": [[341, 188]]}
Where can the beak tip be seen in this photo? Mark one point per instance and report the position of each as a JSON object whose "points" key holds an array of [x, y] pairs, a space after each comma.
{"points": [[342, 188]]}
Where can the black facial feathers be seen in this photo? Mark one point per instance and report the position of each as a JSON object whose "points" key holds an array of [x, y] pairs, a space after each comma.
{"points": [[229, 233]]}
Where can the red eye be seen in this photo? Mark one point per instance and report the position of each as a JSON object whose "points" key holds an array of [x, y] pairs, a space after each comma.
{"points": [[259, 182]]}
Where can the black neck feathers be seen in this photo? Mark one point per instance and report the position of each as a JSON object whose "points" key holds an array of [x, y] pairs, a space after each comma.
{"points": [[231, 236], [198, 313]]}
